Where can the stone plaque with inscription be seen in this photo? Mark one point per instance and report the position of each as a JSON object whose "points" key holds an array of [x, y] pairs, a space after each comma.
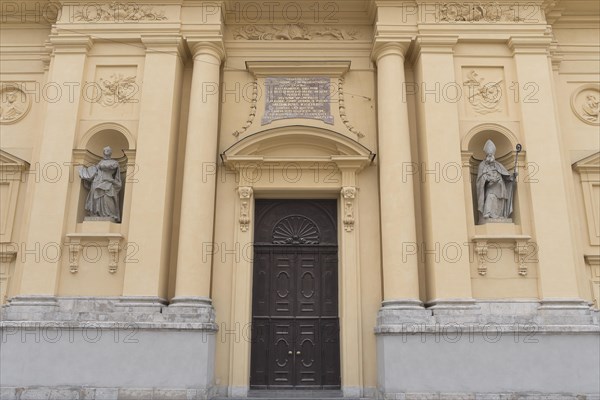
{"points": [[297, 97]]}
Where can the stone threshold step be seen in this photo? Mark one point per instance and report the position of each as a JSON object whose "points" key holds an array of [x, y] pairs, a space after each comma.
{"points": [[288, 398], [296, 394]]}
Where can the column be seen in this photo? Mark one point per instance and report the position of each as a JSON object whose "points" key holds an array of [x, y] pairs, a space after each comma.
{"points": [[398, 219], [194, 259], [41, 252], [553, 235], [152, 193], [444, 203]]}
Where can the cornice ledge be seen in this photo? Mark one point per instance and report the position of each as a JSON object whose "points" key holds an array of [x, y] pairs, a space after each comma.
{"points": [[530, 44], [202, 44], [164, 43], [298, 68], [592, 259], [69, 43]]}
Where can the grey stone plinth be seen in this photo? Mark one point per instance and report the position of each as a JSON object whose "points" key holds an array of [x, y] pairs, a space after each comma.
{"points": [[401, 311], [104, 393], [103, 219]]}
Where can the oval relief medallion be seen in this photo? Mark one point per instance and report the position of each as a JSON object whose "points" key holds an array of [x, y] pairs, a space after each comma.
{"points": [[14, 104], [585, 103]]}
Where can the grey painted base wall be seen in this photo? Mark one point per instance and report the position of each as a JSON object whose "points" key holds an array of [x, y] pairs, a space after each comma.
{"points": [[104, 357], [99, 348], [480, 363], [489, 350]]}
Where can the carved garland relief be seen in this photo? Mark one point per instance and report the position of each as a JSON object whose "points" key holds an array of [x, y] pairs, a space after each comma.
{"points": [[118, 12], [294, 32], [489, 12]]}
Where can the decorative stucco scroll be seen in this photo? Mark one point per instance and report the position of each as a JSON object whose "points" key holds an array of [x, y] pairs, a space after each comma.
{"points": [[348, 195], [245, 194], [252, 114], [343, 116], [478, 12], [118, 12], [294, 32]]}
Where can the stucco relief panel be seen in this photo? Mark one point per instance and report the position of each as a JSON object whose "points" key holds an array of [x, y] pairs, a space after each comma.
{"points": [[484, 92], [113, 93]]}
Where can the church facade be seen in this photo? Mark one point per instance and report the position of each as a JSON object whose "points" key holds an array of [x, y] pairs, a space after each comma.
{"points": [[367, 198]]}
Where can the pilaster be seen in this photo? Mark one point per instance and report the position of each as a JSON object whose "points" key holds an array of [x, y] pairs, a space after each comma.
{"points": [[397, 191], [553, 235], [444, 210], [152, 193], [47, 227], [198, 195]]}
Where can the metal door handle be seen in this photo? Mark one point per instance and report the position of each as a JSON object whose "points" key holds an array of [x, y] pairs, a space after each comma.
{"points": [[298, 353], [290, 352]]}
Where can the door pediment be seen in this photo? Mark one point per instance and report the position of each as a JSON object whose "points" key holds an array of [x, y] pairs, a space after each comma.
{"points": [[297, 143]]}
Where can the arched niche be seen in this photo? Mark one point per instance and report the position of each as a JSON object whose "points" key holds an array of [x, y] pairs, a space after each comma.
{"points": [[90, 152], [108, 134], [473, 153]]}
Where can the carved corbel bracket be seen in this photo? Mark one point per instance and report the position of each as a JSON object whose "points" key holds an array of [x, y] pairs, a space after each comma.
{"points": [[521, 251], [481, 248], [112, 240], [74, 252], [113, 255], [349, 196], [245, 193]]}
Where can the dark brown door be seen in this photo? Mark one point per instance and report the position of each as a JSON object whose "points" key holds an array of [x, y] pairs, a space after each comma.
{"points": [[295, 324]]}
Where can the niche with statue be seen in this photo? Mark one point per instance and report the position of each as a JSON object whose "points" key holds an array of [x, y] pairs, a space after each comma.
{"points": [[494, 168], [102, 174]]}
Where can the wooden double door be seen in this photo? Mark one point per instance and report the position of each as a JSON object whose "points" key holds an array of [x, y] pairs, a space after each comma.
{"points": [[295, 323]]}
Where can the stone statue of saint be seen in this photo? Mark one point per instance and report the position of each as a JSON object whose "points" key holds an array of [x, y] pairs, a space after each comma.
{"points": [[104, 183], [495, 188]]}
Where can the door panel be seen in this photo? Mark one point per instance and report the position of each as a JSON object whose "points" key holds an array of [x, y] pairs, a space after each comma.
{"points": [[295, 331]]}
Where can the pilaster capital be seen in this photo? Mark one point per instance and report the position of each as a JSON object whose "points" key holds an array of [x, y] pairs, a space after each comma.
{"points": [[169, 44], [530, 44], [202, 45], [71, 43], [434, 44], [392, 47]]}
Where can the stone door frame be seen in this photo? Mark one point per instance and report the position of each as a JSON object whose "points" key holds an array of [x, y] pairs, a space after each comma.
{"points": [[349, 158]]}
